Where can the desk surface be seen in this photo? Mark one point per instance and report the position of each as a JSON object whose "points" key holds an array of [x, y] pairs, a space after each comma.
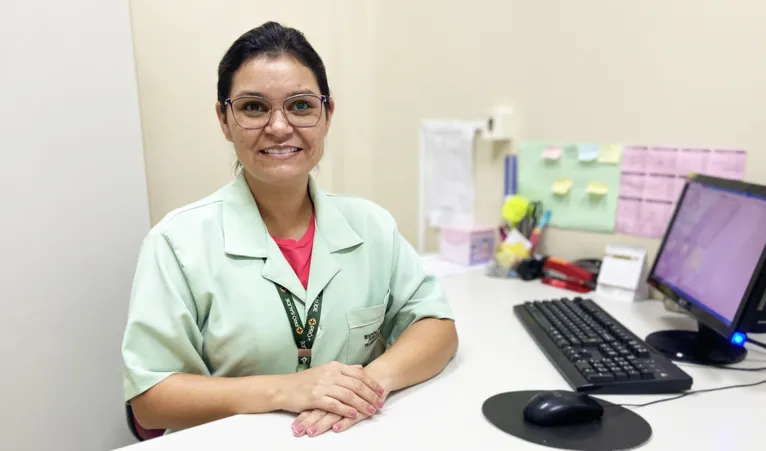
{"points": [[445, 412]]}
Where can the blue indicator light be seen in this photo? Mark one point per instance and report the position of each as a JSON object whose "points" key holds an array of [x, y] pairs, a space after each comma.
{"points": [[738, 338]]}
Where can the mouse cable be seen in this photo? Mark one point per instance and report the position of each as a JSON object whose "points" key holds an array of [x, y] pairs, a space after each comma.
{"points": [[693, 392], [756, 342], [734, 368]]}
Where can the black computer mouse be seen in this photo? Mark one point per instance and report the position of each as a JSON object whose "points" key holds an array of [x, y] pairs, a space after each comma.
{"points": [[562, 408]]}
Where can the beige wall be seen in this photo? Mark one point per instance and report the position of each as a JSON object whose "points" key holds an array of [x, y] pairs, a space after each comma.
{"points": [[687, 72]]}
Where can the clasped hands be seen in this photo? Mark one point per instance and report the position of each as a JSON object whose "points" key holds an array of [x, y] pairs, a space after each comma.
{"points": [[334, 396]]}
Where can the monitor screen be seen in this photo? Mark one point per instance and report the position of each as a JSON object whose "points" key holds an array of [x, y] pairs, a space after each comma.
{"points": [[712, 248]]}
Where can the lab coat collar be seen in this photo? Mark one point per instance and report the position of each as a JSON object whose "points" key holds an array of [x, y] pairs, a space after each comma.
{"points": [[245, 234]]}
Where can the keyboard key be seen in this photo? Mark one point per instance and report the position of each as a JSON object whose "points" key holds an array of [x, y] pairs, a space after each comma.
{"points": [[642, 352], [634, 375], [647, 374], [598, 378]]}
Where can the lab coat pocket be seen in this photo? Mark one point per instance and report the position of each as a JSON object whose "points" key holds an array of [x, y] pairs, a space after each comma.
{"points": [[364, 326]]}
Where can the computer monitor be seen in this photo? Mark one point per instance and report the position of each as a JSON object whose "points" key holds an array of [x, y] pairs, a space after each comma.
{"points": [[711, 263]]}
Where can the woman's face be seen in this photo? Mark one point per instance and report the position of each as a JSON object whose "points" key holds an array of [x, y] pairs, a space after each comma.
{"points": [[278, 151]]}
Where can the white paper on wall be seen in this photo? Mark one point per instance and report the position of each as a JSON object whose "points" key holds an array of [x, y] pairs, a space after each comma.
{"points": [[447, 171]]}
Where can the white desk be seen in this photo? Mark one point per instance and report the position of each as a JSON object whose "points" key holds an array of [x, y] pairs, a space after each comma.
{"points": [[445, 412]]}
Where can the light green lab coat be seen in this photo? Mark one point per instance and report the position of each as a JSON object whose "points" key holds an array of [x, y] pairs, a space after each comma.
{"points": [[204, 299]]}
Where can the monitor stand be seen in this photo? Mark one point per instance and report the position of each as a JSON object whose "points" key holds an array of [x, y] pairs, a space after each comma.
{"points": [[703, 347], [760, 326]]}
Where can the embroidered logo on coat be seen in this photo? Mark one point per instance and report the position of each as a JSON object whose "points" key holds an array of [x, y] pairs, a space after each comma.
{"points": [[371, 338]]}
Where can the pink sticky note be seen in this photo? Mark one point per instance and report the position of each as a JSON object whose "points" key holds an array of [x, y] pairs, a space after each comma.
{"points": [[552, 153], [654, 218], [661, 160], [691, 160], [627, 221], [660, 187], [631, 185], [634, 159], [728, 164]]}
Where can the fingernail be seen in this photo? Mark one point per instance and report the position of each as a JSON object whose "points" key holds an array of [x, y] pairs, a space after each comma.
{"points": [[312, 431], [381, 390], [380, 403], [337, 428], [353, 414], [298, 431], [295, 423], [372, 410]]}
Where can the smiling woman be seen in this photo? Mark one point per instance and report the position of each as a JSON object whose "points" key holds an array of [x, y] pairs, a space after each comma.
{"points": [[271, 294]]}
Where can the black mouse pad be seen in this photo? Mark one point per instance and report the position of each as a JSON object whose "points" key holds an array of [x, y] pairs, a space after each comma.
{"points": [[618, 429]]}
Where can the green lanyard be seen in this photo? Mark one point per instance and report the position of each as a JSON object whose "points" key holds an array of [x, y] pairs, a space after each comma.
{"points": [[303, 334]]}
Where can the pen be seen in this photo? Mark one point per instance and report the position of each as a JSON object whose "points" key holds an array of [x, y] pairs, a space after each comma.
{"points": [[535, 236]]}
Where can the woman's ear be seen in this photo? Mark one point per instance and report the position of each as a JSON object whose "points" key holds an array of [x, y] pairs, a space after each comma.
{"points": [[223, 120], [330, 110]]}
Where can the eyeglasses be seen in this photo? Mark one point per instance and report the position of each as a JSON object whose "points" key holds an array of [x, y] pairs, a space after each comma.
{"points": [[301, 111]]}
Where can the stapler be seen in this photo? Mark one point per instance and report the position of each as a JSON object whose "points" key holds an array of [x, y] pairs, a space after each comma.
{"points": [[563, 274]]}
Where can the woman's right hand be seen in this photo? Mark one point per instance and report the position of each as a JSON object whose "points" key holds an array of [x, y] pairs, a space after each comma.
{"points": [[334, 387]]}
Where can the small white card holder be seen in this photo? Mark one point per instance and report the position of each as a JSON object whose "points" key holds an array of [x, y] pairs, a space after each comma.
{"points": [[623, 274]]}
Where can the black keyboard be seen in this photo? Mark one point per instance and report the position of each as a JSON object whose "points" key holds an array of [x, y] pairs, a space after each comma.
{"points": [[595, 353]]}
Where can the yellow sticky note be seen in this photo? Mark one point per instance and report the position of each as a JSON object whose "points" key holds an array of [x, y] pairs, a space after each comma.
{"points": [[561, 186], [610, 154], [598, 188]]}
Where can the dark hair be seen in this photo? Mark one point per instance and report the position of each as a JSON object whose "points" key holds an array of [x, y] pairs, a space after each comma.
{"points": [[271, 40]]}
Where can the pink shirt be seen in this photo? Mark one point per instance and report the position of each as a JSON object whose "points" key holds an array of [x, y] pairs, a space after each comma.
{"points": [[298, 253]]}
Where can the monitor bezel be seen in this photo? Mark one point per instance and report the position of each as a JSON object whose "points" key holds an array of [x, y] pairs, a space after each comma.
{"points": [[755, 287]]}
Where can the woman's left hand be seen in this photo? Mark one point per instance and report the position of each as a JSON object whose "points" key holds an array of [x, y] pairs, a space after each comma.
{"points": [[316, 422]]}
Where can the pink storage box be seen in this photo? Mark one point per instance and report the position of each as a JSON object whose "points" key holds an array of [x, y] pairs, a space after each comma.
{"points": [[467, 245]]}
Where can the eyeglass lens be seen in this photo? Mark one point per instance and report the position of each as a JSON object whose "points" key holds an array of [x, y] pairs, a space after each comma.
{"points": [[255, 112]]}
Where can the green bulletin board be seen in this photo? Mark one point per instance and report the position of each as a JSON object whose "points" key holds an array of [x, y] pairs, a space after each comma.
{"points": [[581, 167]]}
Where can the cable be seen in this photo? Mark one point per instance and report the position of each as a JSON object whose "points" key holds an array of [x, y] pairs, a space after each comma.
{"points": [[694, 392], [733, 368], [756, 342]]}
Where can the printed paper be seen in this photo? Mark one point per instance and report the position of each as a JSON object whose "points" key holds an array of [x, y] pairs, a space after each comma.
{"points": [[634, 159], [660, 187], [632, 184], [627, 216], [691, 161], [728, 164], [652, 180], [661, 160], [447, 153]]}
